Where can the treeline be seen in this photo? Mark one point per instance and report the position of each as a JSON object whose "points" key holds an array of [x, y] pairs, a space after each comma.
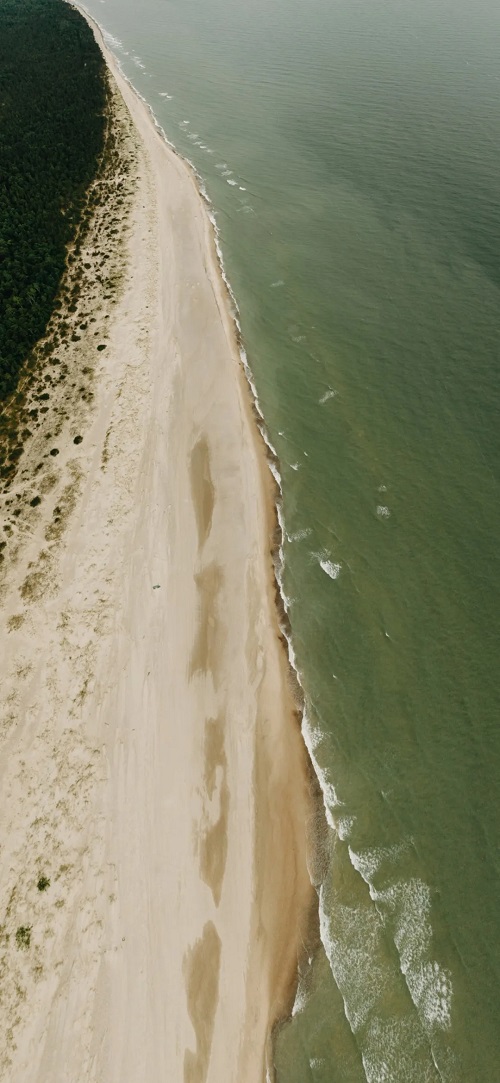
{"points": [[52, 126]]}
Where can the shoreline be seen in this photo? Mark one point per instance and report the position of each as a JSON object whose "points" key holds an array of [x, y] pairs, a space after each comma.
{"points": [[268, 458], [154, 666], [286, 986], [265, 449]]}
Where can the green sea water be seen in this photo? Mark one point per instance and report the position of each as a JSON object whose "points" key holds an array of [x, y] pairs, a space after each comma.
{"points": [[352, 154]]}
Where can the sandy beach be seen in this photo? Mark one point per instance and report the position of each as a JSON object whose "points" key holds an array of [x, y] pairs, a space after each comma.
{"points": [[151, 763]]}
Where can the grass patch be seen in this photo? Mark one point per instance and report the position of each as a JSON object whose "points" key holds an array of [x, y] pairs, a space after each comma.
{"points": [[23, 936]]}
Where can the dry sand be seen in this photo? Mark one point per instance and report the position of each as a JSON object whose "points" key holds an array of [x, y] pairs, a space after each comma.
{"points": [[151, 766]]}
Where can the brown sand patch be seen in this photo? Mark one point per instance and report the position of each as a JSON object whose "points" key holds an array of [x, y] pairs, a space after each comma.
{"points": [[213, 842], [202, 489], [215, 755], [204, 654], [201, 970]]}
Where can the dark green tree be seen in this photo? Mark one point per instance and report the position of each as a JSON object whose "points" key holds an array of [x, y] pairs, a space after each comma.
{"points": [[52, 127]]}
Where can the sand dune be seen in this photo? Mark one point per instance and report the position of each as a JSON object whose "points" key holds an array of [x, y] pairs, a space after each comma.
{"points": [[151, 766]]}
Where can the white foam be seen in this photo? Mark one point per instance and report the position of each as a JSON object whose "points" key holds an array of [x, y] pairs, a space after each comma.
{"points": [[276, 285], [233, 183], [350, 946], [368, 862], [312, 738], [429, 984], [163, 94], [395, 1050], [383, 511], [275, 472], [300, 1001], [299, 534], [331, 568], [353, 942], [432, 990], [344, 826], [330, 394], [294, 466], [110, 39]]}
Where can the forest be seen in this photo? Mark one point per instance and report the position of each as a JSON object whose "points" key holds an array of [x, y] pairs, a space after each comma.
{"points": [[52, 128]]}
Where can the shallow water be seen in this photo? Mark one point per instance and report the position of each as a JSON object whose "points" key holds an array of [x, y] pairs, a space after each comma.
{"points": [[352, 153]]}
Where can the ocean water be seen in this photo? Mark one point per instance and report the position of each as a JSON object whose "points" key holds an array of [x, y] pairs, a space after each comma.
{"points": [[351, 149]]}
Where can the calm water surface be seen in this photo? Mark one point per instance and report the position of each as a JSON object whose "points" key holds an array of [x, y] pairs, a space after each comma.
{"points": [[352, 152]]}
